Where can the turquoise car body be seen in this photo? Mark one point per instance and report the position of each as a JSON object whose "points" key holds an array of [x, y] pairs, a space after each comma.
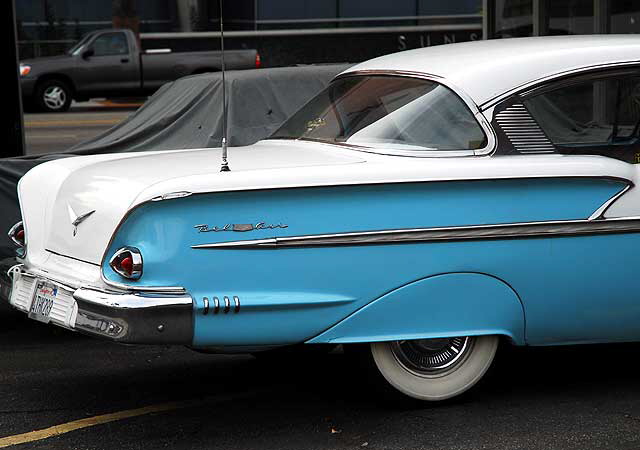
{"points": [[538, 290]]}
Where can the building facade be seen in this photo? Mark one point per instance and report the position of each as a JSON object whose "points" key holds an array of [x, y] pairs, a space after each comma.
{"points": [[315, 31], [517, 18], [50, 26]]}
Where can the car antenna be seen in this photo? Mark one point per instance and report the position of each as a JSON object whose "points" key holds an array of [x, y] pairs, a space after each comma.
{"points": [[225, 163]]}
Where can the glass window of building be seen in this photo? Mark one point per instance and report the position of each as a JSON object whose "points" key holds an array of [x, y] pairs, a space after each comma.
{"points": [[625, 16], [568, 17], [513, 18], [431, 8]]}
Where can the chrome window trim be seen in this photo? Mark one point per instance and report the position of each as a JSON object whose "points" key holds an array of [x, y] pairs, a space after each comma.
{"points": [[518, 230], [599, 213], [534, 84], [473, 107]]}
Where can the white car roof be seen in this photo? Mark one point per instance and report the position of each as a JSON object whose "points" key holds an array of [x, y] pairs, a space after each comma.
{"points": [[487, 69]]}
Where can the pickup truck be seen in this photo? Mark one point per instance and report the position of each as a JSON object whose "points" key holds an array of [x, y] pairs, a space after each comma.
{"points": [[110, 63]]}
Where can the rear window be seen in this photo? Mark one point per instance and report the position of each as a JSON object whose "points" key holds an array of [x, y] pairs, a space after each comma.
{"points": [[387, 113]]}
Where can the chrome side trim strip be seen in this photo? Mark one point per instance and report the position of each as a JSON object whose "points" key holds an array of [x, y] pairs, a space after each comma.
{"points": [[438, 234], [599, 213]]}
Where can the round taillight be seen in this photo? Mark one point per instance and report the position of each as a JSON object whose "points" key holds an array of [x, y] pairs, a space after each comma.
{"points": [[127, 262], [127, 265], [17, 234]]}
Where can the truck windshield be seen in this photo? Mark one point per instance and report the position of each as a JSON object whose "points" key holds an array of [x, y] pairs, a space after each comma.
{"points": [[387, 112]]}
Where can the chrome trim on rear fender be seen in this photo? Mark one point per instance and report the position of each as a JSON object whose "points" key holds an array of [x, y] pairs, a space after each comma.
{"points": [[561, 228], [130, 288], [599, 213]]}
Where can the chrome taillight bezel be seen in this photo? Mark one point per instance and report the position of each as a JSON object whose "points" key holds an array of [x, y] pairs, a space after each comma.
{"points": [[136, 267], [13, 232]]}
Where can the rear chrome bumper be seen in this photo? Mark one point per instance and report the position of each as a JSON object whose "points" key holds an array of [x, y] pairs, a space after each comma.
{"points": [[120, 316]]}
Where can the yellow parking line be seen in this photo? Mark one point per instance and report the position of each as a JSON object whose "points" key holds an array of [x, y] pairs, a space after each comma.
{"points": [[64, 428], [71, 123], [57, 430]]}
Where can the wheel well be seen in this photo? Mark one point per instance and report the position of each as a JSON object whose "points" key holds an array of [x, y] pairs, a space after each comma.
{"points": [[57, 76], [444, 305]]}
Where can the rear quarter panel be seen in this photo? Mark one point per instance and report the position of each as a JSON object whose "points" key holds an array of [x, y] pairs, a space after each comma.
{"points": [[293, 295]]}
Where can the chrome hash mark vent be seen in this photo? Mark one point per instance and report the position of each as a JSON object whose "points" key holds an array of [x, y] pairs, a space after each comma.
{"points": [[523, 131], [215, 306]]}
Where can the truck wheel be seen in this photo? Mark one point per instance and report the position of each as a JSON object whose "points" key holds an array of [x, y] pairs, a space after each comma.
{"points": [[435, 369], [53, 96]]}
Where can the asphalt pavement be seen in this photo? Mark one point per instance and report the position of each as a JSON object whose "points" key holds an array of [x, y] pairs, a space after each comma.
{"points": [[55, 132], [550, 398]]}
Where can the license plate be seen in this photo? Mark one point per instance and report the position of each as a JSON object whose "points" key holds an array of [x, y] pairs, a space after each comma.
{"points": [[43, 299]]}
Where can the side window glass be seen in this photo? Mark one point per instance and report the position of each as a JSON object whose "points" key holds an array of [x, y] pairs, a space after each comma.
{"points": [[110, 44], [629, 108], [592, 117], [577, 114]]}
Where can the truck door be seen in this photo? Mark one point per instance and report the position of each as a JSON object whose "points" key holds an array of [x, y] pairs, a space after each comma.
{"points": [[108, 65]]}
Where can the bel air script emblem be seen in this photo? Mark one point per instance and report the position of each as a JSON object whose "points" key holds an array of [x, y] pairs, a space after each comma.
{"points": [[239, 227], [77, 219]]}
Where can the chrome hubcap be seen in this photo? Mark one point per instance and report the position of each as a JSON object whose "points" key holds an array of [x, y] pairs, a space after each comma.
{"points": [[54, 97], [431, 356]]}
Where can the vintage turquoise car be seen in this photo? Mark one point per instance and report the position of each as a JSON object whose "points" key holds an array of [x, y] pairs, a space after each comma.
{"points": [[431, 203]]}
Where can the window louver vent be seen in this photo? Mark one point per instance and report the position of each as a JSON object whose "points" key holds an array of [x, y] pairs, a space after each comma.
{"points": [[523, 131]]}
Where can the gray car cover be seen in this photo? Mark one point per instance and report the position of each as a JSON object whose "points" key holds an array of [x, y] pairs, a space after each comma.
{"points": [[187, 113]]}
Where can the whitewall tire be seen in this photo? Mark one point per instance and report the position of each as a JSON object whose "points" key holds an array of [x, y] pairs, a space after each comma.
{"points": [[435, 369]]}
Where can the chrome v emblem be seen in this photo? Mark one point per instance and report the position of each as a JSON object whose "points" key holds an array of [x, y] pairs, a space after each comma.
{"points": [[77, 219]]}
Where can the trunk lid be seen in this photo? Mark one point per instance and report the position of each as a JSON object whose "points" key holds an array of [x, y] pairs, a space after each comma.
{"points": [[73, 206]]}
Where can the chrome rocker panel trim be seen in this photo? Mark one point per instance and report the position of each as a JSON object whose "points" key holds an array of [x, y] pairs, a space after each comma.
{"points": [[128, 317], [438, 234]]}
